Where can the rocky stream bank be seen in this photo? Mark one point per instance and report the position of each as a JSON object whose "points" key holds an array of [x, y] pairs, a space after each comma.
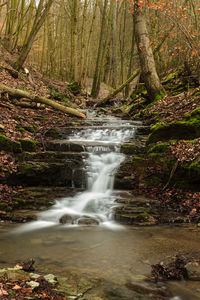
{"points": [[150, 177], [144, 184]]}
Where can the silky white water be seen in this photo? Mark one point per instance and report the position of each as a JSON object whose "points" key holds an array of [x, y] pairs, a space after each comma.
{"points": [[97, 201]]}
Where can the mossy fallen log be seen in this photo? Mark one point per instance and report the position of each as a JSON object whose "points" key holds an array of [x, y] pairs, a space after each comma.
{"points": [[23, 94]]}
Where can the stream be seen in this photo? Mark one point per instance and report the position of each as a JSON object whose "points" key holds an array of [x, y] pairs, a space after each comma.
{"points": [[79, 234]]}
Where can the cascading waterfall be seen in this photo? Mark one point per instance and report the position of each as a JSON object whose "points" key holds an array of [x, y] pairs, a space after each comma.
{"points": [[94, 205]]}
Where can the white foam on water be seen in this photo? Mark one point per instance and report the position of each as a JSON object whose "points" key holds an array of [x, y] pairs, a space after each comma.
{"points": [[98, 199]]}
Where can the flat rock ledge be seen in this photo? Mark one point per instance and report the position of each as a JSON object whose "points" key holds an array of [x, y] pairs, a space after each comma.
{"points": [[16, 283]]}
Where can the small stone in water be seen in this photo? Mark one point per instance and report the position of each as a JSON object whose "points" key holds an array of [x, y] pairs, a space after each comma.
{"points": [[33, 284], [50, 278], [88, 221]]}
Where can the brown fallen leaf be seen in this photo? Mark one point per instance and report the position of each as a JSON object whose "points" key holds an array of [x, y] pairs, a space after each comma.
{"points": [[3, 292], [16, 287]]}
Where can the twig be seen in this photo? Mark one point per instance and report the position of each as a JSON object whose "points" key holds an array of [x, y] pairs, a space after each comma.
{"points": [[171, 174], [43, 144]]}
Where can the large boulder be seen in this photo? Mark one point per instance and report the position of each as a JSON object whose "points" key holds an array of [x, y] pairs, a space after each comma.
{"points": [[189, 128]]}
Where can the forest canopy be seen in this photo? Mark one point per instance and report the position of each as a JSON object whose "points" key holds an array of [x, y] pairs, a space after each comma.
{"points": [[94, 41]]}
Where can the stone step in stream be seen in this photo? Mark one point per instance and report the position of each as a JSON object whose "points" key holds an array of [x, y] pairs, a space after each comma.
{"points": [[99, 145]]}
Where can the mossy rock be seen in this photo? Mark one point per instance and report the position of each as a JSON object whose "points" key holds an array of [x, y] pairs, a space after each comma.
{"points": [[28, 145], [196, 113], [31, 128], [52, 132], [137, 159], [175, 130], [4, 206], [1, 128], [194, 172], [38, 173], [159, 148], [75, 88], [20, 128], [132, 149], [8, 145], [196, 94], [154, 180]]}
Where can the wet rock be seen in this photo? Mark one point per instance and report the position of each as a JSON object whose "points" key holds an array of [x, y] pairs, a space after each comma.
{"points": [[23, 215], [133, 214], [75, 287], [132, 148], [145, 288], [51, 278], [33, 284], [87, 221], [46, 173], [126, 179], [11, 146], [53, 132], [131, 219], [66, 219], [64, 146], [193, 270], [28, 145], [14, 274], [34, 276]]}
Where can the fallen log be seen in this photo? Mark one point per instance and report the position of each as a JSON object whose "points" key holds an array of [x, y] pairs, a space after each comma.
{"points": [[23, 94], [134, 75], [119, 89], [26, 103]]}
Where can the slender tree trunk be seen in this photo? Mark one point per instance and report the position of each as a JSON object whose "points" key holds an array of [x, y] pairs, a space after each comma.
{"points": [[100, 50], [19, 25], [36, 27], [147, 63], [122, 33], [12, 8], [114, 47], [29, 21], [88, 45], [127, 88], [43, 47], [83, 41], [74, 34], [105, 48]]}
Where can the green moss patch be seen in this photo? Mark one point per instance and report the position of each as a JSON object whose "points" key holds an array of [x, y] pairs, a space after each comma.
{"points": [[40, 118], [28, 145], [159, 148], [8, 145], [1, 128], [175, 130]]}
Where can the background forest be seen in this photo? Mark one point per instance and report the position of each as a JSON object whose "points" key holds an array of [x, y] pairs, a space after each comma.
{"points": [[93, 41]]}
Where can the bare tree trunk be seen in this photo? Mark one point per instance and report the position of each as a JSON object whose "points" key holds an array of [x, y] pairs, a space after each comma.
{"points": [[85, 68], [114, 47], [74, 33], [19, 25], [83, 42], [147, 63], [100, 50], [105, 48], [36, 27], [127, 88]]}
